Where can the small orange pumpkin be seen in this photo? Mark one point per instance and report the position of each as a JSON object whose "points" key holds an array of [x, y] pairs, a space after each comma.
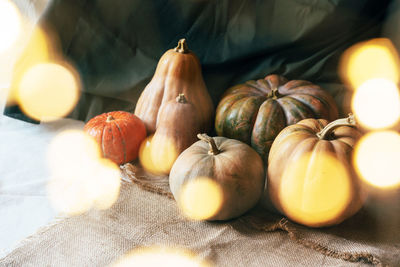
{"points": [[119, 134]]}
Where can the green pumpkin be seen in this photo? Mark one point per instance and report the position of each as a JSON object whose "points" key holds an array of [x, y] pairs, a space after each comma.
{"points": [[256, 111]]}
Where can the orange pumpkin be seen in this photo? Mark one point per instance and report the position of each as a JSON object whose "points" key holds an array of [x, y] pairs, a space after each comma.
{"points": [[119, 135], [178, 72], [310, 176]]}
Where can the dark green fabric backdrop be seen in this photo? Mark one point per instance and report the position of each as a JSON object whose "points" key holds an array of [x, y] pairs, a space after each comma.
{"points": [[115, 45]]}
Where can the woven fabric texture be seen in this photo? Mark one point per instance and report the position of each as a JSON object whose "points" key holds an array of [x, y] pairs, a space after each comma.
{"points": [[145, 216]]}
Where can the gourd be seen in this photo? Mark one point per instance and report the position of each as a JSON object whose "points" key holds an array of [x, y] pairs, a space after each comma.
{"points": [[177, 128], [118, 133], [256, 111], [232, 165], [178, 72], [310, 175]]}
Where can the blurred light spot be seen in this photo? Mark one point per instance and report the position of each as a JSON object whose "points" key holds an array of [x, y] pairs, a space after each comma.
{"points": [[145, 155], [159, 256], [241, 29], [70, 145], [376, 58], [48, 91], [10, 24], [81, 179], [200, 198], [376, 103], [105, 184], [157, 155], [68, 195], [163, 153], [37, 50], [377, 157], [315, 189]]}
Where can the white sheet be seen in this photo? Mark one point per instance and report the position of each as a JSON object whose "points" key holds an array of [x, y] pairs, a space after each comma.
{"points": [[24, 173]]}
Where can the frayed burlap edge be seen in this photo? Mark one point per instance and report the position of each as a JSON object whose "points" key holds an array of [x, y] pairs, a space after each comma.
{"points": [[159, 185], [286, 226], [133, 173]]}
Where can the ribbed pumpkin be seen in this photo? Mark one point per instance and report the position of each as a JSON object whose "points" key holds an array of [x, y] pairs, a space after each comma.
{"points": [[233, 165], [119, 134], [178, 72], [177, 128], [310, 175], [256, 111]]}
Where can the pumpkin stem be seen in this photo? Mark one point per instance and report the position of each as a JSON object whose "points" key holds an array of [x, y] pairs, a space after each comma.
{"points": [[349, 121], [213, 146], [274, 94], [182, 47], [110, 118], [181, 98]]}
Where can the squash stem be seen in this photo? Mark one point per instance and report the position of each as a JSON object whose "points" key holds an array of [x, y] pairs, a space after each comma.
{"points": [[213, 146], [182, 47], [274, 94], [181, 98], [349, 121], [110, 118]]}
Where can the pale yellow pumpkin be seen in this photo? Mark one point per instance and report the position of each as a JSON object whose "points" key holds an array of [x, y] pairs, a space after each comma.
{"points": [[233, 171], [310, 176]]}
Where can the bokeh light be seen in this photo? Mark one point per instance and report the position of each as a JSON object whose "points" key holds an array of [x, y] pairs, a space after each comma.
{"points": [[104, 183], [200, 198], [160, 256], [10, 24], [48, 91], [376, 158], [315, 189], [376, 104], [80, 178], [163, 153], [145, 155], [39, 49], [157, 155], [376, 58]]}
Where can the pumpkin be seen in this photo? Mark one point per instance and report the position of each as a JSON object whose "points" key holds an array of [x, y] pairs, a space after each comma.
{"points": [[236, 169], [177, 128], [178, 72], [119, 134], [256, 111], [310, 175]]}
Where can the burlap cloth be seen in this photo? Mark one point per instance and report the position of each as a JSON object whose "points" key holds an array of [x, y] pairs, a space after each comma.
{"points": [[145, 215]]}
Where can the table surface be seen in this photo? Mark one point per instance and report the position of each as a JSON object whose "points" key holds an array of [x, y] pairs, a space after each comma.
{"points": [[24, 174], [25, 207]]}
